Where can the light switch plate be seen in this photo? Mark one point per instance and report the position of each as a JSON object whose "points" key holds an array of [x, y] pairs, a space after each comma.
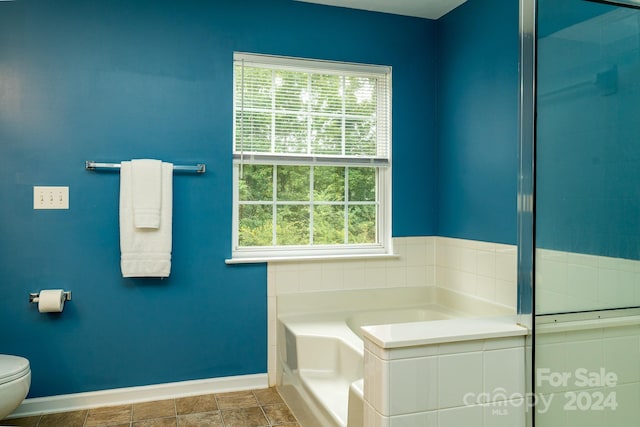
{"points": [[50, 197]]}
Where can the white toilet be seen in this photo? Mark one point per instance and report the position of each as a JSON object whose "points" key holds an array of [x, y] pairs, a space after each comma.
{"points": [[15, 380]]}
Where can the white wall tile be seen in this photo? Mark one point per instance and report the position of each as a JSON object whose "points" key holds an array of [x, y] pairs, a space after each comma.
{"points": [[424, 419], [475, 268], [549, 411], [622, 357], [375, 276], [486, 263], [547, 254], [550, 302], [396, 277], [431, 250], [466, 260], [457, 347], [376, 383], [636, 300], [418, 276], [573, 282], [587, 355], [506, 265], [431, 276], [506, 293], [463, 416], [582, 286], [461, 281], [626, 397], [582, 259], [505, 414], [441, 256], [417, 252], [551, 359], [504, 373], [374, 419], [287, 279], [310, 277], [354, 275], [504, 343], [459, 374], [423, 261], [413, 385], [332, 277], [586, 418]]}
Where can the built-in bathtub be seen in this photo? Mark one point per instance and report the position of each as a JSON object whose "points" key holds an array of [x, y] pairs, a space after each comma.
{"points": [[320, 350]]}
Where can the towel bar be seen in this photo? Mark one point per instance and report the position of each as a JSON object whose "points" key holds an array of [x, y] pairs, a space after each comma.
{"points": [[198, 168]]}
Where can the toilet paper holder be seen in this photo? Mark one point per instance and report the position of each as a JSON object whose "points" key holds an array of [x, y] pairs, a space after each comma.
{"points": [[35, 297]]}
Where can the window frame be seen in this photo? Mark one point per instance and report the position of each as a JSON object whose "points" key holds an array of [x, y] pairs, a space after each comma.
{"points": [[383, 246]]}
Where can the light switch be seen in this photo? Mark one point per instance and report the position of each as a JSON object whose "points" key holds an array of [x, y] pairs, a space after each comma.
{"points": [[50, 197]]}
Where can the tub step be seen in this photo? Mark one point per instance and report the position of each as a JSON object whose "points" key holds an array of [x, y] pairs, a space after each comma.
{"points": [[332, 390]]}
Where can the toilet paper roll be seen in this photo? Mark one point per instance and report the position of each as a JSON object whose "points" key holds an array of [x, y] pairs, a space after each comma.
{"points": [[51, 301]]}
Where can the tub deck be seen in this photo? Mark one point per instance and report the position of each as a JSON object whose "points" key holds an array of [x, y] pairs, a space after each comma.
{"points": [[321, 351]]}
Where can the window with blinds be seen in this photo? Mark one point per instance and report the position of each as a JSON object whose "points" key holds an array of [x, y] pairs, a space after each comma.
{"points": [[312, 157]]}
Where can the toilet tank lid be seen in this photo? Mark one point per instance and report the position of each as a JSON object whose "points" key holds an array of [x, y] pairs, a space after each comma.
{"points": [[12, 367]]}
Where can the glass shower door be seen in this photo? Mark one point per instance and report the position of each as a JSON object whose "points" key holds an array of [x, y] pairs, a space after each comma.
{"points": [[587, 214]]}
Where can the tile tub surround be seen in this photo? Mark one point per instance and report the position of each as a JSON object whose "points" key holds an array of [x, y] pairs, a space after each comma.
{"points": [[263, 407], [567, 281], [480, 269], [608, 351], [321, 357], [447, 374], [483, 270]]}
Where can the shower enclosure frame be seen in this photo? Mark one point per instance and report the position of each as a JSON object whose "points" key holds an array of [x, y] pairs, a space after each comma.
{"points": [[526, 198]]}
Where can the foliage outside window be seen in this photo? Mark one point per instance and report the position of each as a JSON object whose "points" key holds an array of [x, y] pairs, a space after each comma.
{"points": [[311, 158]]}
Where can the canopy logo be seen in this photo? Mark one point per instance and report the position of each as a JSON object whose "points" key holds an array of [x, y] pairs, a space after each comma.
{"points": [[582, 390]]}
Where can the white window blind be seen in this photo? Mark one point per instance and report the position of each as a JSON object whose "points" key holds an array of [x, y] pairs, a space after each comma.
{"points": [[301, 111], [312, 158]]}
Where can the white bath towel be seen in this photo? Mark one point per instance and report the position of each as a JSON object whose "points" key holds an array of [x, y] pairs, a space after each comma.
{"points": [[145, 252], [146, 179]]}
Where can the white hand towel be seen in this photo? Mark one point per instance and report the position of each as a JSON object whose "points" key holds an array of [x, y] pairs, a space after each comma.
{"points": [[146, 178], [145, 252]]}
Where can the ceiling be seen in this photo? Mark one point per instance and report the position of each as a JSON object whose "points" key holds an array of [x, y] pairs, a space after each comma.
{"points": [[431, 9]]}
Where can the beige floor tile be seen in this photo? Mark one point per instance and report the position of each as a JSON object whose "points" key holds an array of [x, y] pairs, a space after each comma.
{"points": [[206, 419], [237, 399], [157, 422], [278, 414], [108, 416], [244, 417], [195, 404], [268, 396], [157, 409], [65, 419], [235, 409]]}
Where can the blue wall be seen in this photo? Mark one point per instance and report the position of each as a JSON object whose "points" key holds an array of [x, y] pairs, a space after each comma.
{"points": [[588, 156], [109, 80], [478, 121]]}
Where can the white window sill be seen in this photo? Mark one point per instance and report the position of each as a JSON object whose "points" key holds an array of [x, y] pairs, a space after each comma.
{"points": [[306, 258]]}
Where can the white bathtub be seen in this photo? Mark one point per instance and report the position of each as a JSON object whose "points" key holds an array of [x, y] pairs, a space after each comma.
{"points": [[320, 348]]}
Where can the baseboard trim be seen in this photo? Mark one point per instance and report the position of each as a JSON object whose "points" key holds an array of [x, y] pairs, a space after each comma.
{"points": [[129, 395]]}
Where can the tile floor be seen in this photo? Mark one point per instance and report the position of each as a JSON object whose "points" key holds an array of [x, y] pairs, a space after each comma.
{"points": [[252, 408]]}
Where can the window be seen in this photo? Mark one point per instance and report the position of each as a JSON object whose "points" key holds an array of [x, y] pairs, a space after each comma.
{"points": [[312, 158]]}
